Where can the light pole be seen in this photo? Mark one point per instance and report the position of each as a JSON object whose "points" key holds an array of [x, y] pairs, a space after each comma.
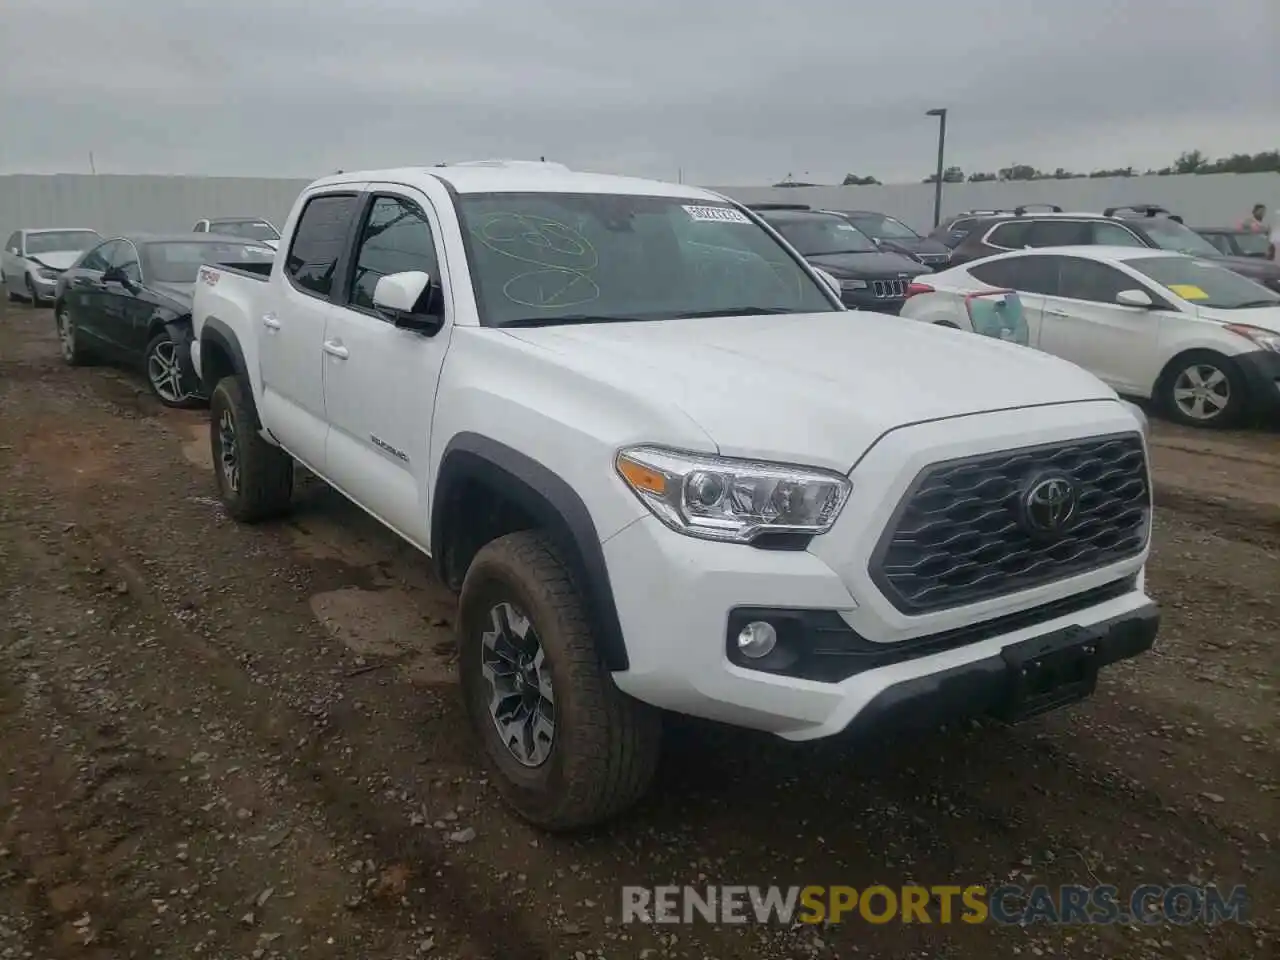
{"points": [[941, 114]]}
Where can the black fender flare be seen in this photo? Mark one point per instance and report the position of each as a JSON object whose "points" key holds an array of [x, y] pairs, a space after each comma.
{"points": [[215, 332], [557, 508]]}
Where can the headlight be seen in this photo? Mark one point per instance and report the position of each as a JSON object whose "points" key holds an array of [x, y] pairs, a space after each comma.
{"points": [[48, 273], [1266, 339], [735, 500], [1139, 414], [853, 284]]}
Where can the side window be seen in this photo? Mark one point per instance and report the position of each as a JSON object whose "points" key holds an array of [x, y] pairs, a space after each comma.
{"points": [[1221, 241], [1025, 274], [1090, 280], [200, 227], [396, 237], [1114, 235], [318, 241], [14, 243], [1057, 233], [124, 256], [1011, 235], [99, 258]]}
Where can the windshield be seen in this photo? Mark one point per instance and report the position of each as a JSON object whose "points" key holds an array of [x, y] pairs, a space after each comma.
{"points": [[180, 261], [822, 236], [1205, 284], [55, 241], [545, 258], [249, 229], [1172, 235], [886, 228]]}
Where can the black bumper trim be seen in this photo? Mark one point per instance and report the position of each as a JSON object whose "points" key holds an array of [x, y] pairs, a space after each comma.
{"points": [[987, 686], [1261, 371]]}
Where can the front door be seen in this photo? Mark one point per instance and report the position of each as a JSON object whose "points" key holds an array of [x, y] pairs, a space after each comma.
{"points": [[1085, 324], [291, 324], [380, 380]]}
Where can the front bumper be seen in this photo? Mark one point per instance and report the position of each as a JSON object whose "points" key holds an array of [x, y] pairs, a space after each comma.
{"points": [[680, 600], [1261, 370], [867, 300], [45, 288]]}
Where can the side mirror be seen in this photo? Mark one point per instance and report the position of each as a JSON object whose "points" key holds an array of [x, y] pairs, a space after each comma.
{"points": [[828, 279], [402, 299], [113, 275], [1134, 298]]}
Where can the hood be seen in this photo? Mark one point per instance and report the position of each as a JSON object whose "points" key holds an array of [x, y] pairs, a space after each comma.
{"points": [[56, 259], [1268, 318], [868, 265], [180, 293], [818, 389]]}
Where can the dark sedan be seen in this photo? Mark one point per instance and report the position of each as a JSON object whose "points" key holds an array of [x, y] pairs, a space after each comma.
{"points": [[890, 233], [1235, 242], [870, 279], [129, 299]]}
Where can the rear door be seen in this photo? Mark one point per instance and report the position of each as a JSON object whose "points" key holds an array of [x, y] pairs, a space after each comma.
{"points": [[1033, 276], [292, 322], [1085, 325], [380, 380]]}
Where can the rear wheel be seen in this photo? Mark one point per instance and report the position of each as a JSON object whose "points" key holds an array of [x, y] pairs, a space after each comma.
{"points": [[8, 288], [1204, 389], [569, 749], [165, 376], [254, 477]]}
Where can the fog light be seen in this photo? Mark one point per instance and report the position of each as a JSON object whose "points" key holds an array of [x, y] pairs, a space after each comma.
{"points": [[757, 639]]}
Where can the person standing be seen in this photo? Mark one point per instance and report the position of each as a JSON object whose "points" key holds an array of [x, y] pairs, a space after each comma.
{"points": [[1256, 222]]}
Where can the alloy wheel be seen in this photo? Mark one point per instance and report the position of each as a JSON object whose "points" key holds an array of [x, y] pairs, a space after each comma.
{"points": [[1202, 392], [521, 698], [228, 451], [165, 373]]}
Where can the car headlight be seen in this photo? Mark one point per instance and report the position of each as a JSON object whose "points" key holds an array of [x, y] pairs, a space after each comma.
{"points": [[48, 273], [1138, 414], [853, 284], [1266, 339], [717, 498]]}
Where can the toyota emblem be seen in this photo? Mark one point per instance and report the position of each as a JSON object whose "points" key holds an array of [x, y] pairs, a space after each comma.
{"points": [[1049, 504]]}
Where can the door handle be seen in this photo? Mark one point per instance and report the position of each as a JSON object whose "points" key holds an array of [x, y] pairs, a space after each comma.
{"points": [[335, 349], [270, 322]]}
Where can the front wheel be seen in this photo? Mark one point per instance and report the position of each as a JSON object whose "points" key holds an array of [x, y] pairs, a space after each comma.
{"points": [[1204, 389], [568, 748], [31, 292], [73, 352], [165, 376], [254, 477]]}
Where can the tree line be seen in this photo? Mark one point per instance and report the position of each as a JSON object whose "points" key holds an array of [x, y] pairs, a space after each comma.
{"points": [[1190, 161]]}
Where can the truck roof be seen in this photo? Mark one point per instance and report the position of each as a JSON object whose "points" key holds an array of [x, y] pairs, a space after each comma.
{"points": [[518, 176]]}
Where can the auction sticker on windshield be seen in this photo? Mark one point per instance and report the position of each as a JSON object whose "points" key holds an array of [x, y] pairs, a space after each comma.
{"points": [[1188, 291], [716, 214]]}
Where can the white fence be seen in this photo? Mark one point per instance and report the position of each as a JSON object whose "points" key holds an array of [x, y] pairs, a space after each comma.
{"points": [[119, 204]]}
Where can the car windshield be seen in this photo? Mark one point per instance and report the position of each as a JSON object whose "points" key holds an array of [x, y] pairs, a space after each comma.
{"points": [[883, 227], [57, 241], [1253, 244], [1204, 283], [823, 236], [1172, 235], [180, 261], [249, 229], [547, 258]]}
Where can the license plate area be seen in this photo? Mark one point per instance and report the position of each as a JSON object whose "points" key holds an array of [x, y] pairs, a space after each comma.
{"points": [[1050, 671]]}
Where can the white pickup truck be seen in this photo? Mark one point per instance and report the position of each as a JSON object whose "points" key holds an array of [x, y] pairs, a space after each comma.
{"points": [[667, 471]]}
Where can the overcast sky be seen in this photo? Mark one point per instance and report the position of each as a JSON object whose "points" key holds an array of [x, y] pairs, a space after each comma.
{"points": [[732, 92]]}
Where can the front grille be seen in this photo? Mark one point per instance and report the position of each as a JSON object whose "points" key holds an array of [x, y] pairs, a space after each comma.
{"points": [[960, 535], [889, 289]]}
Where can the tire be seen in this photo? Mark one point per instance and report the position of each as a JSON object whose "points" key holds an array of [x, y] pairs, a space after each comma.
{"points": [[73, 352], [604, 747], [8, 289], [1203, 389], [31, 292], [255, 482], [163, 370]]}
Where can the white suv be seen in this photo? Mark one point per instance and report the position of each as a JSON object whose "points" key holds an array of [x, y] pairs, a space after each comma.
{"points": [[667, 471]]}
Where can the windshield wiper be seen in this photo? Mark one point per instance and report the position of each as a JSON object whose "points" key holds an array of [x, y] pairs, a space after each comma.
{"points": [[567, 319], [735, 312]]}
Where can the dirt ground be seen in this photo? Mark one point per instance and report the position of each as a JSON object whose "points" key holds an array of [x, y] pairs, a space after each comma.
{"points": [[242, 743]]}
